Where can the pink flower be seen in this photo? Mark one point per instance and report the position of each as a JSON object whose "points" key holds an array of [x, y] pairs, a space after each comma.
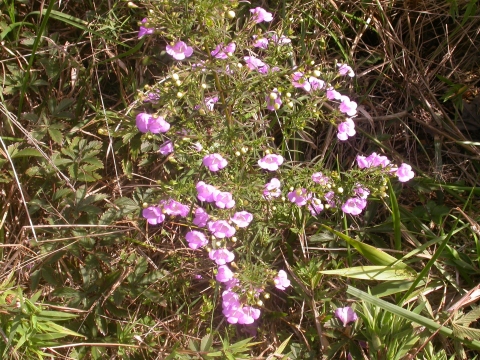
{"points": [[299, 81], [214, 162], [260, 15], [166, 148], [315, 83], [282, 40], [224, 200], [210, 102], [404, 173], [154, 215], [172, 207], [273, 100], [344, 69], [146, 122], [315, 207], [201, 217], [144, 30], [222, 52], [221, 229], [354, 206], [272, 189], [347, 106], [179, 51], [261, 43], [361, 192], [224, 274], [221, 256], [319, 178], [206, 192], [242, 219], [372, 160], [346, 129], [256, 64], [330, 198], [270, 162], [299, 196], [281, 281], [346, 315], [196, 239], [333, 94]]}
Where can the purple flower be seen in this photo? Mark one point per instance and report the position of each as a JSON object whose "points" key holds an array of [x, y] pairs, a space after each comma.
{"points": [[319, 178], [299, 81], [354, 206], [315, 206], [224, 274], [273, 100], [201, 217], [214, 162], [166, 148], [261, 43], [173, 207], [361, 192], [282, 40], [315, 83], [404, 173], [281, 281], [347, 106], [256, 64], [224, 200], [346, 315], [146, 122], [206, 192], [299, 196], [333, 94], [152, 97], [221, 256], [260, 15], [372, 160], [221, 229], [272, 189], [196, 239], [144, 30], [154, 215], [210, 102], [346, 129], [330, 198], [242, 219], [179, 51], [222, 52], [270, 162], [344, 69]]}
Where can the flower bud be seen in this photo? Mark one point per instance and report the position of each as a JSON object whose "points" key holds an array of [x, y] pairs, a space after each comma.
{"points": [[340, 190], [178, 82], [274, 208], [317, 73], [234, 239], [179, 94], [244, 150], [259, 303], [312, 63], [237, 153], [201, 112], [273, 96], [266, 295], [290, 104], [239, 65], [268, 152], [231, 14], [132, 5], [288, 95], [175, 77], [204, 86], [145, 205]]}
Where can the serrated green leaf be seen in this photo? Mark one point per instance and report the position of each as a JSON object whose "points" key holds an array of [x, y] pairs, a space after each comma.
{"points": [[468, 318], [464, 332], [56, 135], [26, 152]]}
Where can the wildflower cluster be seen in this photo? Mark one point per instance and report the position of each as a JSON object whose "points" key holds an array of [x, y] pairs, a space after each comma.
{"points": [[222, 100]]}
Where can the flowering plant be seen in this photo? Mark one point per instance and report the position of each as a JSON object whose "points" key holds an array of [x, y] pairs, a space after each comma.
{"points": [[228, 124]]}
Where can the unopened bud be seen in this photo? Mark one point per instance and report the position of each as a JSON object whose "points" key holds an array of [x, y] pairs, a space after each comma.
{"points": [[231, 14], [273, 95], [179, 94]]}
